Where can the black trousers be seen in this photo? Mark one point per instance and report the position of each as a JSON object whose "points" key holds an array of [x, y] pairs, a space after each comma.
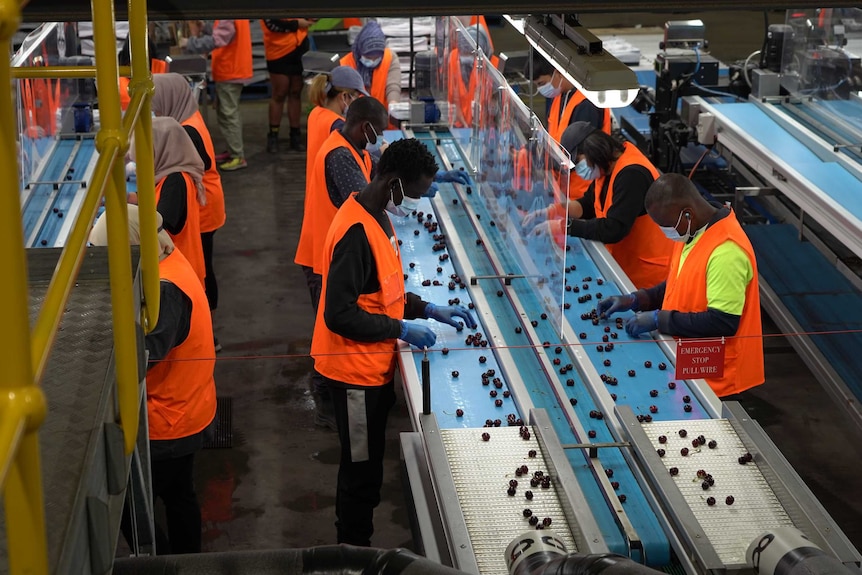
{"points": [[315, 285], [361, 414], [210, 284], [173, 483]]}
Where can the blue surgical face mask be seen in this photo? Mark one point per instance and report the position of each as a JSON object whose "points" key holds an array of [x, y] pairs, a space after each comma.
{"points": [[673, 234], [370, 63], [548, 90], [374, 147], [585, 172], [405, 208]]}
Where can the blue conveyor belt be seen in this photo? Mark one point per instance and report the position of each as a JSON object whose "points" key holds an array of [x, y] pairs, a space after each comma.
{"points": [[816, 293]]}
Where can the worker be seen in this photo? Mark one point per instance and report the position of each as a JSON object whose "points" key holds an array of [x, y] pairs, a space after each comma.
{"points": [[179, 188], [341, 167], [124, 58], [331, 95], [284, 43], [478, 20], [229, 42], [174, 97], [378, 65], [612, 210], [568, 105], [181, 394], [361, 316], [711, 290], [463, 76]]}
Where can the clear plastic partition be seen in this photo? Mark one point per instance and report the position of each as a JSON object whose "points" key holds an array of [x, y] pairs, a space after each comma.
{"points": [[46, 108], [819, 52], [522, 176]]}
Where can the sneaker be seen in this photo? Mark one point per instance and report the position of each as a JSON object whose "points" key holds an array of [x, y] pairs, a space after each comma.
{"points": [[222, 158], [296, 143], [216, 344], [272, 143], [233, 164]]}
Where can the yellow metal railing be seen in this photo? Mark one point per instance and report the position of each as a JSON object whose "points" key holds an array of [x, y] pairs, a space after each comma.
{"points": [[24, 354]]}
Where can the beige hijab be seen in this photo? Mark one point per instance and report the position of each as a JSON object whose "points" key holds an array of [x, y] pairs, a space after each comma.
{"points": [[173, 151], [173, 97], [99, 233]]}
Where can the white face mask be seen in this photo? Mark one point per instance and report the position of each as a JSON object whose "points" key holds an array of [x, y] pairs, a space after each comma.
{"points": [[374, 147], [405, 208], [585, 172], [673, 234], [548, 90], [369, 63]]}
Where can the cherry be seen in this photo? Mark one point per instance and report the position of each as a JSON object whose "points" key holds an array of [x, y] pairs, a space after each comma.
{"points": [[498, 402], [511, 491], [683, 451], [607, 363], [701, 440], [653, 393], [415, 232], [671, 385], [712, 444], [607, 329], [729, 500], [615, 484], [499, 293], [600, 347], [507, 393], [455, 373], [710, 501], [605, 338], [622, 498], [582, 335], [518, 472], [546, 521], [558, 350], [695, 443], [528, 513], [534, 323], [662, 439], [661, 452], [631, 373], [533, 520], [609, 347], [653, 409], [674, 471], [683, 433], [591, 434], [662, 366], [439, 269], [600, 281], [686, 399], [557, 361], [614, 396], [573, 401], [528, 494], [544, 316], [518, 330], [524, 469], [614, 335], [426, 283], [609, 472], [497, 423], [445, 351], [482, 359], [459, 413], [570, 382], [687, 408], [647, 364], [486, 436], [531, 453]]}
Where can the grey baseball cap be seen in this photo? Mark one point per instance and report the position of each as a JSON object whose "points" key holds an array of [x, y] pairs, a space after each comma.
{"points": [[576, 133], [346, 78]]}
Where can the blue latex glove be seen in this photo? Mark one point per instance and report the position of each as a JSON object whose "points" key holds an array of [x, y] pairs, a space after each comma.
{"points": [[642, 322], [417, 335], [432, 191], [608, 307], [449, 314], [454, 176], [534, 218]]}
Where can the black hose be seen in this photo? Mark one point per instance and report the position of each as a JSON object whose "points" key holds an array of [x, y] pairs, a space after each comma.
{"points": [[326, 560], [604, 564]]}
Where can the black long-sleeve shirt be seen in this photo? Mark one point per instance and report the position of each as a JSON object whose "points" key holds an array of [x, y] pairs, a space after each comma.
{"points": [[353, 272], [196, 139], [172, 327], [708, 323], [343, 175], [630, 188], [173, 203]]}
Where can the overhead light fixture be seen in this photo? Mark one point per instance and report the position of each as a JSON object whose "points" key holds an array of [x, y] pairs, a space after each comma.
{"points": [[578, 55]]}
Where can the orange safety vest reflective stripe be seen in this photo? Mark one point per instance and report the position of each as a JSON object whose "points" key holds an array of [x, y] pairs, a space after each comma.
{"points": [[212, 215], [181, 393], [379, 76], [319, 209], [188, 241], [686, 292], [318, 128], [234, 62], [557, 124], [278, 44], [644, 254], [369, 363]]}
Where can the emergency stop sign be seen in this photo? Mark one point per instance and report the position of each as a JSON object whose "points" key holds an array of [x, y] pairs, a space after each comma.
{"points": [[700, 358]]}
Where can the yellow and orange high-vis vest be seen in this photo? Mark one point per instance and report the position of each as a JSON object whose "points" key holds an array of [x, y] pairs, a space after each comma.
{"points": [[212, 215], [319, 209], [188, 241], [181, 394], [347, 360], [379, 77], [234, 61], [686, 292], [644, 254]]}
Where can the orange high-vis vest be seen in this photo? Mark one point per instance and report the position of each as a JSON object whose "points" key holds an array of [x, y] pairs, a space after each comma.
{"points": [[461, 95], [212, 215], [181, 393], [379, 77], [686, 292], [188, 241], [278, 44], [368, 363], [234, 62], [644, 254], [557, 124], [319, 209], [156, 67], [319, 127]]}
